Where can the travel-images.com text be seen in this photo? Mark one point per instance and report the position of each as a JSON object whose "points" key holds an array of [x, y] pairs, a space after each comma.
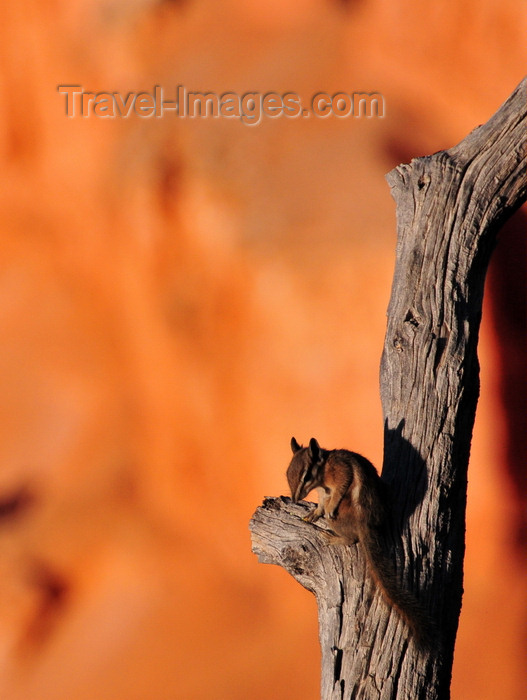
{"points": [[249, 107]]}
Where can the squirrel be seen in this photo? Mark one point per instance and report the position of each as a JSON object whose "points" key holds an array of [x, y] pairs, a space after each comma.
{"points": [[354, 499]]}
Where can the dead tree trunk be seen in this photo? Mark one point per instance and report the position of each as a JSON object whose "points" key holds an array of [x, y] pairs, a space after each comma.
{"points": [[449, 209]]}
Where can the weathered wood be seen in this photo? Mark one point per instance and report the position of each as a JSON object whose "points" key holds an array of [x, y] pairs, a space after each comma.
{"points": [[449, 208]]}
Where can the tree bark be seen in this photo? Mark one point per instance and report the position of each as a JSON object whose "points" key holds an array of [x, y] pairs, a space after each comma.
{"points": [[450, 207]]}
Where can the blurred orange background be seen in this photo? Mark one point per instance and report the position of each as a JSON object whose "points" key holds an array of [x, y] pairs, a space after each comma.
{"points": [[180, 296]]}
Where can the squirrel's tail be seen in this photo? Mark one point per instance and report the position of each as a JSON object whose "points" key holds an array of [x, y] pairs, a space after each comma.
{"points": [[404, 602]]}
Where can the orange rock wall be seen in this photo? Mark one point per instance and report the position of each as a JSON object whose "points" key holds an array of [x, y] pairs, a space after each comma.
{"points": [[180, 296]]}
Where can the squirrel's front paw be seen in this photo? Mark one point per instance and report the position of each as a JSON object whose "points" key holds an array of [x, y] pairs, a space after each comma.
{"points": [[312, 517]]}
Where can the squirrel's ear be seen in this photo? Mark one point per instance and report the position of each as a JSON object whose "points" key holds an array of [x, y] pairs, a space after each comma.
{"points": [[314, 448], [295, 446]]}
